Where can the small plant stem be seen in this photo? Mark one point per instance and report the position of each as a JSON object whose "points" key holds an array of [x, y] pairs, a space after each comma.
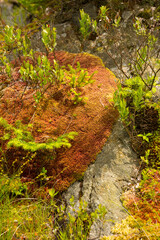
{"points": [[16, 230], [68, 125], [155, 74], [5, 232], [117, 65], [39, 102], [20, 101], [137, 223]]}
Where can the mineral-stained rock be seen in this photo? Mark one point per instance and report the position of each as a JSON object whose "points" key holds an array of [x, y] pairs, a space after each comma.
{"points": [[57, 115], [106, 178]]}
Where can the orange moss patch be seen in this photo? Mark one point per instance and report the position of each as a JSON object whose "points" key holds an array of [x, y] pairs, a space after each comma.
{"points": [[57, 115], [145, 203]]}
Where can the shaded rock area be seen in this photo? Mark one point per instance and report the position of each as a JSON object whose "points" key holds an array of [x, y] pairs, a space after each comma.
{"points": [[115, 169]]}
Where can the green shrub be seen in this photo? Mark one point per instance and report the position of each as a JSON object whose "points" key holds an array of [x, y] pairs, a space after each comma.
{"points": [[134, 97]]}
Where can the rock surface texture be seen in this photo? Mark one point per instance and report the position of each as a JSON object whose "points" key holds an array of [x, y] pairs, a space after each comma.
{"points": [[105, 180]]}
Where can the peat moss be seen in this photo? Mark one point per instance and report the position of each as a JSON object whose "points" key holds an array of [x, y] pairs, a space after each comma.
{"points": [[55, 116]]}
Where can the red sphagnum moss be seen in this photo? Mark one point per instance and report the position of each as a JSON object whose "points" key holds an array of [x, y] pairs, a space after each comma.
{"points": [[56, 116], [145, 203]]}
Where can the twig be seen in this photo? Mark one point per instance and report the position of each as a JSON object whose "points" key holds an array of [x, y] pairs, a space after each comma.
{"points": [[121, 69]]}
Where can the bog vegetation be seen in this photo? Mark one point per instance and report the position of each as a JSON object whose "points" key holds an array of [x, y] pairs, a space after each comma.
{"points": [[28, 212]]}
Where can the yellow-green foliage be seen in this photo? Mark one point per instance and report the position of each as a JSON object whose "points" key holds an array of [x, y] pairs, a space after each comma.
{"points": [[18, 136], [31, 218], [133, 229]]}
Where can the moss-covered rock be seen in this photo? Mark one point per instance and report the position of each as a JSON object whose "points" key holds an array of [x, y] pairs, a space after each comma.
{"points": [[56, 115]]}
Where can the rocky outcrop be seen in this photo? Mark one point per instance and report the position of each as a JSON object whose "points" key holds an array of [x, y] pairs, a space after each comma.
{"points": [[105, 180]]}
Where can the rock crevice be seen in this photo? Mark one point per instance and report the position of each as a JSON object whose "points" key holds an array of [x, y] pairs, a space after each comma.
{"points": [[105, 180]]}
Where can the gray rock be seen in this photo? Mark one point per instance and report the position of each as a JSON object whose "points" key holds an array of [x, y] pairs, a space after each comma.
{"points": [[105, 180], [88, 8], [127, 16], [12, 14], [66, 38], [91, 9]]}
